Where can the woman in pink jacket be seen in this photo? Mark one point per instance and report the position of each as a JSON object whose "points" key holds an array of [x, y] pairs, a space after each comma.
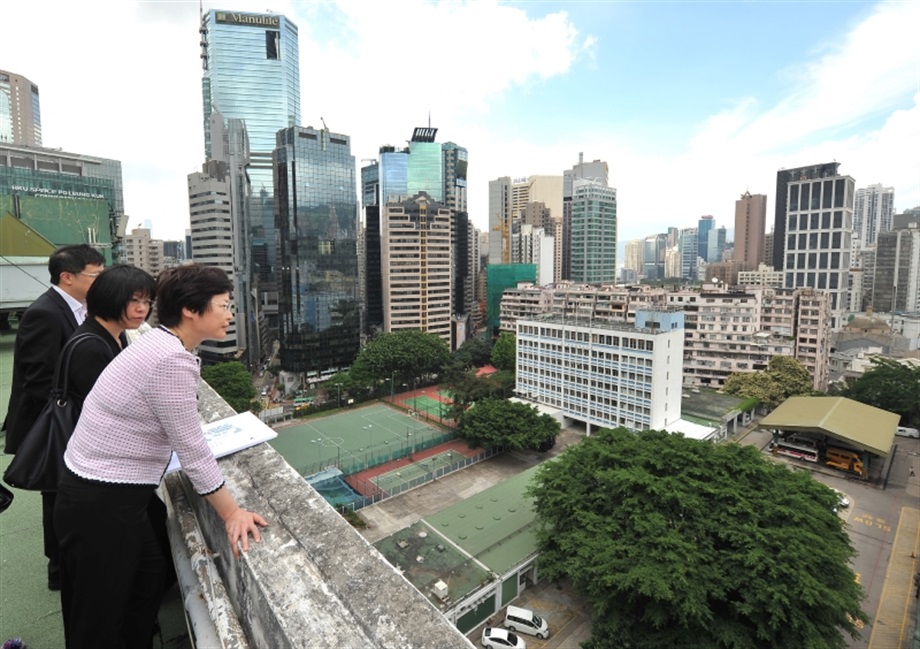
{"points": [[142, 407]]}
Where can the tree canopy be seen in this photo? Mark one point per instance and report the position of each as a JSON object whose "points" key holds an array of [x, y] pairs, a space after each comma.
{"points": [[680, 543], [400, 355], [784, 377], [493, 423], [891, 386], [475, 352], [232, 381], [504, 352]]}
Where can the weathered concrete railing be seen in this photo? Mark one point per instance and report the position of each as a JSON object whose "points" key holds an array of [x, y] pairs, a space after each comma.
{"points": [[313, 581]]}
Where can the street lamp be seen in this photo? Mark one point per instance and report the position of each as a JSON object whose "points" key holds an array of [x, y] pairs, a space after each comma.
{"points": [[368, 429], [339, 386], [392, 374]]}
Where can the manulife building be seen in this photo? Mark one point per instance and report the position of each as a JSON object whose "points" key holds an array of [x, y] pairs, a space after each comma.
{"points": [[251, 72]]}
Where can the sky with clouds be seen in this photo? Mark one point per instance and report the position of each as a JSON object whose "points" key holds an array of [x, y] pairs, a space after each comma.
{"points": [[690, 103]]}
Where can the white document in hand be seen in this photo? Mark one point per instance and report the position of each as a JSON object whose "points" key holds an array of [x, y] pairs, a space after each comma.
{"points": [[231, 434]]}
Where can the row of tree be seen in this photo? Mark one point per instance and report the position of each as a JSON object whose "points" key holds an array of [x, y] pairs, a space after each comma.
{"points": [[888, 385]]}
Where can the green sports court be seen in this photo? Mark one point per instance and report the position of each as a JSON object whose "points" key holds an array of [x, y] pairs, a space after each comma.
{"points": [[355, 440]]}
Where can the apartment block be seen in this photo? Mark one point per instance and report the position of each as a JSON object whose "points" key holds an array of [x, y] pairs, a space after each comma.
{"points": [[727, 330], [763, 276], [416, 266], [144, 252]]}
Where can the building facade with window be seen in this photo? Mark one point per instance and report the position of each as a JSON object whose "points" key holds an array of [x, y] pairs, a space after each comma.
{"points": [[251, 72], [319, 294], [20, 110], [604, 374]]}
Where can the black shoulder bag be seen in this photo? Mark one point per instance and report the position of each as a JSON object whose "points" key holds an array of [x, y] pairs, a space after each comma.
{"points": [[39, 462]]}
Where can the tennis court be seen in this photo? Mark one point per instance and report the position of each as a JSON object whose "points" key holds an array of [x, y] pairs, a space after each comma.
{"points": [[392, 480], [355, 440]]}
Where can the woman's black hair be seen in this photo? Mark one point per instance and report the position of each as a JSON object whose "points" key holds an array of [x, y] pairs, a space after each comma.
{"points": [[110, 293], [191, 287]]}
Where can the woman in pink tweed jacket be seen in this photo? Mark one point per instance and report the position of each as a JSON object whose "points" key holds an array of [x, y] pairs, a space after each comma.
{"points": [[143, 406]]}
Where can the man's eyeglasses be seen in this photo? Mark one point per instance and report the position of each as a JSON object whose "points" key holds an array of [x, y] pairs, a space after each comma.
{"points": [[225, 306], [93, 275]]}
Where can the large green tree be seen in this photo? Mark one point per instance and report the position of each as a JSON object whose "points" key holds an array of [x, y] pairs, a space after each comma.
{"points": [[680, 543], [504, 352], [232, 381], [494, 423], [891, 386], [401, 356], [784, 377], [475, 352]]}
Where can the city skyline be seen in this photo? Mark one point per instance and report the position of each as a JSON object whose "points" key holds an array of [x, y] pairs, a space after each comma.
{"points": [[562, 79]]}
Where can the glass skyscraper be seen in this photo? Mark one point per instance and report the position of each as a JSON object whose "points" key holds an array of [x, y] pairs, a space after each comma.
{"points": [[594, 232], [319, 297], [251, 72]]}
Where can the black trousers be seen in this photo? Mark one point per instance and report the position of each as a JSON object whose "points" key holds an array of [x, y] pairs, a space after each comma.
{"points": [[113, 568], [50, 538]]}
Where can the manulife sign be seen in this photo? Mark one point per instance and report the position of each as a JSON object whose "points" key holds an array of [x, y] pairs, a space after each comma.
{"points": [[253, 20]]}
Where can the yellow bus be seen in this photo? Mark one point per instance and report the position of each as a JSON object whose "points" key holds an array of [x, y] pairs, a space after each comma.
{"points": [[844, 460]]}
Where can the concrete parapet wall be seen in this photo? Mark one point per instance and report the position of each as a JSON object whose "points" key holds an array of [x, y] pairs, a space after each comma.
{"points": [[313, 581]]}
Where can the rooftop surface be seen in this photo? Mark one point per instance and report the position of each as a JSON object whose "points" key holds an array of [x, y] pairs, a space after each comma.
{"points": [[865, 426]]}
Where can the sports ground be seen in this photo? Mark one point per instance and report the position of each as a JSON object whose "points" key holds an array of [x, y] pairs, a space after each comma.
{"points": [[378, 449]]}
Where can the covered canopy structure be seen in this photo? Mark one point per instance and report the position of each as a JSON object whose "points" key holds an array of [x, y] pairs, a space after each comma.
{"points": [[864, 427]]}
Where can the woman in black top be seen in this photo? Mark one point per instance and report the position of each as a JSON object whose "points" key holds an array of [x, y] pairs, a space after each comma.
{"points": [[122, 300]]}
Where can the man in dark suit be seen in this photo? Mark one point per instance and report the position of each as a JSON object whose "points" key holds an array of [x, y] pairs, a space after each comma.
{"points": [[43, 330]]}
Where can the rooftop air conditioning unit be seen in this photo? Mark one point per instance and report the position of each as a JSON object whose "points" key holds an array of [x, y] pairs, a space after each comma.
{"points": [[439, 590]]}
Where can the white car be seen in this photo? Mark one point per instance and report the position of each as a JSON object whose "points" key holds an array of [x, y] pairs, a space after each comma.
{"points": [[903, 431], [496, 638], [842, 501]]}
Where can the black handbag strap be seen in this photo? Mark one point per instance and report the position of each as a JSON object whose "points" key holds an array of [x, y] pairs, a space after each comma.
{"points": [[63, 364]]}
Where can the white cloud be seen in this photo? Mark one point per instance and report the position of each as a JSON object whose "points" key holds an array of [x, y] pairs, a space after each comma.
{"points": [[122, 80]]}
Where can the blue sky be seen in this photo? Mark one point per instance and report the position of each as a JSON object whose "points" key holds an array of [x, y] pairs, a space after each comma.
{"points": [[690, 103]]}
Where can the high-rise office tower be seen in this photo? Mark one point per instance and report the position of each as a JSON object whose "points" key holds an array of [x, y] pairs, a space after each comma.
{"points": [[596, 171], [768, 249], [896, 285], [633, 256], [20, 111], [416, 263], [218, 213], [704, 226], [715, 245], [440, 171], [500, 215], [251, 72], [873, 211], [750, 228], [508, 201], [593, 249], [783, 178], [319, 296], [653, 257], [689, 253], [813, 237]]}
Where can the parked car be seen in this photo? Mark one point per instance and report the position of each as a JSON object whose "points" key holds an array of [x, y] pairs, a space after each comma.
{"points": [[904, 431], [526, 621], [842, 501], [497, 638]]}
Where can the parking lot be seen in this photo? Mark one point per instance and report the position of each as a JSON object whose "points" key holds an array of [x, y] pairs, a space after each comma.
{"points": [[568, 616]]}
